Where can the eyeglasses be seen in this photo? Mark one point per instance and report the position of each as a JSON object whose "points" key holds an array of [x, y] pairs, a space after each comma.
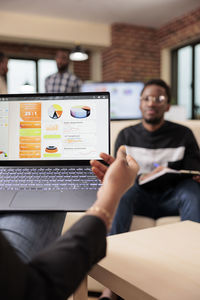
{"points": [[158, 100]]}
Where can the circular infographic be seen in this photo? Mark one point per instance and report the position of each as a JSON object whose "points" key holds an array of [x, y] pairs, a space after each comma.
{"points": [[51, 149], [3, 153], [55, 111], [80, 111]]}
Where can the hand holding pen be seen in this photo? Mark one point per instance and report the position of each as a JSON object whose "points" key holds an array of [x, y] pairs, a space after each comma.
{"points": [[157, 169], [156, 165]]}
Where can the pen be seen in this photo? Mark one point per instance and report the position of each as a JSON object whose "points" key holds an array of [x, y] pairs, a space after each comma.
{"points": [[156, 165]]}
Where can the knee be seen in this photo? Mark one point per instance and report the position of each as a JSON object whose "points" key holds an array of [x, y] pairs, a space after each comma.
{"points": [[132, 193], [189, 192]]}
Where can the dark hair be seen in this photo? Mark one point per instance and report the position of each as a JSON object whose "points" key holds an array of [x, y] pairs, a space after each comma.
{"points": [[161, 83], [2, 56], [66, 51]]}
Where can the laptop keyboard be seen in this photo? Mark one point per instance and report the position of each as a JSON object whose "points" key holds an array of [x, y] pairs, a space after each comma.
{"points": [[48, 179]]}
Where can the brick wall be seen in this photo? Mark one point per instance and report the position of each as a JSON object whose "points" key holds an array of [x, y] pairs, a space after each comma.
{"points": [[135, 51], [81, 69], [27, 51], [180, 31], [133, 56]]}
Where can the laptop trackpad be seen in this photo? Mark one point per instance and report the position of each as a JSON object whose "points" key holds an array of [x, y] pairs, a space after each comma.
{"points": [[35, 199]]}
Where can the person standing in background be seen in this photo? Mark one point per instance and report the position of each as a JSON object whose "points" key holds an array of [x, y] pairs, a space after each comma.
{"points": [[63, 81], [3, 72]]}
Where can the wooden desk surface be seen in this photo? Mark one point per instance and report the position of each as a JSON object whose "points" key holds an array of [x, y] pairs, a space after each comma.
{"points": [[156, 263]]}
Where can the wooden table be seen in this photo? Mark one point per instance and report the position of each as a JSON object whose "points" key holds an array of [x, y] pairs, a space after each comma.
{"points": [[156, 263]]}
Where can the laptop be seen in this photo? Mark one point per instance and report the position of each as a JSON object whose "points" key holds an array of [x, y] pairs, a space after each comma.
{"points": [[47, 141]]}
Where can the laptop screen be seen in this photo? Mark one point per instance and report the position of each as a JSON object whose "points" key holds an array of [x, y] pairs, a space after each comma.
{"points": [[46, 127]]}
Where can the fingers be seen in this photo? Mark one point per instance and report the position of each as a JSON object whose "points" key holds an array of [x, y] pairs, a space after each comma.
{"points": [[98, 169], [98, 165], [196, 178], [157, 169], [128, 161], [98, 173], [132, 163], [121, 153], [107, 158]]}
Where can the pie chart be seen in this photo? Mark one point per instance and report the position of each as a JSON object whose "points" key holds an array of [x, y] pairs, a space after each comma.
{"points": [[81, 111], [51, 149], [55, 111]]}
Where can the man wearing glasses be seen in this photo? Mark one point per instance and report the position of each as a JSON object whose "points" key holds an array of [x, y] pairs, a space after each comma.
{"points": [[156, 143]]}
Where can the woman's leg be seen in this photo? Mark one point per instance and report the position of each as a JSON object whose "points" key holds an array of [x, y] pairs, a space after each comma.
{"points": [[30, 232]]}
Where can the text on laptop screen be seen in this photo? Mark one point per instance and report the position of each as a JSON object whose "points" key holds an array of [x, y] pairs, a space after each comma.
{"points": [[54, 127]]}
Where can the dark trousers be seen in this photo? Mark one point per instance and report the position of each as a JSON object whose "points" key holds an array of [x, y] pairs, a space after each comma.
{"points": [[182, 199]]}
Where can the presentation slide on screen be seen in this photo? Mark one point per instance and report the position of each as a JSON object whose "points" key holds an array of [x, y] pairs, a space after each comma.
{"points": [[75, 129]]}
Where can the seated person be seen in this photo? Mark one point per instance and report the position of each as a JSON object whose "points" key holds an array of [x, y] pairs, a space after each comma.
{"points": [[56, 272], [167, 144]]}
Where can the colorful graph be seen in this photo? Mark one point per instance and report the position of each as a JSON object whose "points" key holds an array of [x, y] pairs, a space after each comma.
{"points": [[51, 149], [80, 111], [4, 153], [30, 130], [55, 111]]}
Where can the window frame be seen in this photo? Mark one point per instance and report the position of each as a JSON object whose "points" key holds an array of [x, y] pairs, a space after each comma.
{"points": [[174, 75]]}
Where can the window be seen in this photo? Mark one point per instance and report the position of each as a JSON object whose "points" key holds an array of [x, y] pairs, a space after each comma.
{"points": [[21, 72], [197, 82], [186, 78], [26, 75], [46, 67]]}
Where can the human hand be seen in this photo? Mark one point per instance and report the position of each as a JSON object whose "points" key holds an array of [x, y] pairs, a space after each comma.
{"points": [[121, 174], [116, 179], [146, 175], [196, 178], [100, 169]]}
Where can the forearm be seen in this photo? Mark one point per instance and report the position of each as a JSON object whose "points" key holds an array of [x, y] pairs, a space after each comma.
{"points": [[56, 272], [105, 206], [65, 264]]}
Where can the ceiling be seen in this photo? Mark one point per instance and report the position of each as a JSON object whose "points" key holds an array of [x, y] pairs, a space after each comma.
{"points": [[150, 13]]}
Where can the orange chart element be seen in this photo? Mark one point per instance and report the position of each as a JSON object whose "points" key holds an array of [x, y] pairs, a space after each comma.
{"points": [[30, 130], [51, 149], [30, 124], [30, 111], [52, 127], [30, 147], [30, 154], [29, 139]]}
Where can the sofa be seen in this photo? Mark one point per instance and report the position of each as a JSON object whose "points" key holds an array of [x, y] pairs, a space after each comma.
{"points": [[138, 222]]}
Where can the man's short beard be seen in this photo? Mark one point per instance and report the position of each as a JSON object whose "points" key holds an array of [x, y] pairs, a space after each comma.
{"points": [[63, 69], [154, 121]]}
